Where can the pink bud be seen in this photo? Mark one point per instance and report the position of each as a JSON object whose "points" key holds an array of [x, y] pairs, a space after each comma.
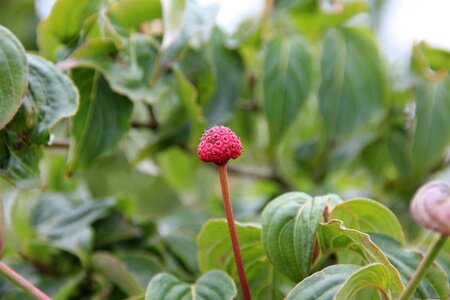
{"points": [[218, 144], [430, 206]]}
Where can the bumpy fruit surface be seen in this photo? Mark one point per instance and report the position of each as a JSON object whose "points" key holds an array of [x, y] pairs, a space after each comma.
{"points": [[431, 206], [218, 144]]}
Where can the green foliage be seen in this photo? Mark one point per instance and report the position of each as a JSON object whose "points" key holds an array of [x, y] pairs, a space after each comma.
{"points": [[214, 285], [13, 74], [104, 196], [342, 282], [214, 252], [290, 224]]}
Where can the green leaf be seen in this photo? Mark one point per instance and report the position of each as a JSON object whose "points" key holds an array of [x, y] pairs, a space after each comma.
{"points": [[215, 252], [228, 68], [214, 285], [128, 71], [314, 22], [52, 93], [188, 98], [19, 157], [425, 58], [13, 75], [430, 141], [434, 285], [117, 272], [368, 216], [62, 27], [60, 222], [130, 14], [287, 82], [333, 236], [152, 196], [289, 226], [342, 282], [352, 91], [103, 118], [178, 231]]}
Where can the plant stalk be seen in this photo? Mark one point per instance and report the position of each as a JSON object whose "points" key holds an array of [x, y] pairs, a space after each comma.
{"points": [[423, 267], [22, 283], [233, 233]]}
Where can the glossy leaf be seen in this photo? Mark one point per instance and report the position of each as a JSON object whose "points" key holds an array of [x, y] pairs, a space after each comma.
{"points": [[287, 82], [333, 236], [62, 27], [342, 282], [368, 216], [215, 252], [289, 226], [352, 91], [13, 75], [432, 115], [103, 118], [214, 285], [128, 72], [434, 285], [53, 94]]}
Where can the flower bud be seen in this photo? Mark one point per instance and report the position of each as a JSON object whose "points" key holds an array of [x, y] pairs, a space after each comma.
{"points": [[430, 206], [218, 144]]}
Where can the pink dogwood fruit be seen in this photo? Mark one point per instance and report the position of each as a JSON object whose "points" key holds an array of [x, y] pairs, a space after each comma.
{"points": [[218, 144]]}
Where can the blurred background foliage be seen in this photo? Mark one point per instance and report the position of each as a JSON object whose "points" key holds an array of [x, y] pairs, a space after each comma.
{"points": [[115, 194]]}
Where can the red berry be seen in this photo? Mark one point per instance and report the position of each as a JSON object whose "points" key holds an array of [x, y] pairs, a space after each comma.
{"points": [[218, 144]]}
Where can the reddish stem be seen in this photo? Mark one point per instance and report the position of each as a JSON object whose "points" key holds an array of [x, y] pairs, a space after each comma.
{"points": [[21, 282], [233, 233]]}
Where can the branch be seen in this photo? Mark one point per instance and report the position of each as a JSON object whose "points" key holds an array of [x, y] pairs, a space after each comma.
{"points": [[152, 124], [271, 176], [59, 144]]}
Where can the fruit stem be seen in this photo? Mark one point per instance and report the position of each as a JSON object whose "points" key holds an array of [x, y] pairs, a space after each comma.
{"points": [[22, 283], [423, 267], [233, 233]]}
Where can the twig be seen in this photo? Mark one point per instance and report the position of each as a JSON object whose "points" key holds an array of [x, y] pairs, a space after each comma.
{"points": [[271, 176], [63, 144]]}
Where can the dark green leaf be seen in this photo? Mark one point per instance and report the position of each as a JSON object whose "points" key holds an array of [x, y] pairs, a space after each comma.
{"points": [[434, 285], [103, 118], [289, 226], [13, 75], [64, 224], [52, 93], [432, 116], [214, 285], [228, 70], [353, 86], [287, 82]]}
